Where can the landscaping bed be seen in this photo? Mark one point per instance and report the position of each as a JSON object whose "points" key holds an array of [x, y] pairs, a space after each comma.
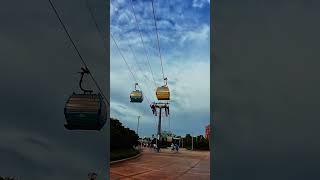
{"points": [[118, 154]]}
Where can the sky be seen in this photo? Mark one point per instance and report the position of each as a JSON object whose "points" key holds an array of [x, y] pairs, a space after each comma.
{"points": [[184, 36], [266, 95], [265, 91], [39, 73]]}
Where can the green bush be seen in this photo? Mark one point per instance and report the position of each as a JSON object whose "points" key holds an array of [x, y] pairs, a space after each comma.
{"points": [[117, 154], [121, 137]]}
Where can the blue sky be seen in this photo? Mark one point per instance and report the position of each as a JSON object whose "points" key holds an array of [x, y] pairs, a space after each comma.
{"points": [[184, 34]]}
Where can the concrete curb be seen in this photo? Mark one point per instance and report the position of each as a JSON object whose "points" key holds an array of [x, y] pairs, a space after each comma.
{"points": [[122, 160]]}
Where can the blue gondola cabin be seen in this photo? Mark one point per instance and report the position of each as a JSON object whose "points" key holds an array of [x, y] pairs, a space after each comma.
{"points": [[85, 112], [136, 96]]}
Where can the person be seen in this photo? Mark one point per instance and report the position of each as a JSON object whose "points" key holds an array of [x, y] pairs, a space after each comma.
{"points": [[92, 176], [6, 178], [172, 147], [177, 147], [154, 147]]}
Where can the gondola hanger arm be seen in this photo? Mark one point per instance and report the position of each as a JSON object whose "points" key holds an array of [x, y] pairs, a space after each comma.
{"points": [[84, 71], [135, 86], [165, 81]]}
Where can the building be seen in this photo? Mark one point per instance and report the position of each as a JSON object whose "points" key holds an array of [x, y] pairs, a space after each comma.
{"points": [[208, 131]]}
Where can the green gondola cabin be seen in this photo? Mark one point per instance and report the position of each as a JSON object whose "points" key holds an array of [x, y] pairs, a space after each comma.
{"points": [[85, 112], [136, 96]]}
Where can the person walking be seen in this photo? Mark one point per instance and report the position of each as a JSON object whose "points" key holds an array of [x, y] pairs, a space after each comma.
{"points": [[158, 148], [154, 147], [92, 176]]}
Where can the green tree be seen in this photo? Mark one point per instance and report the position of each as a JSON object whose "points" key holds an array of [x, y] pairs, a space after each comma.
{"points": [[121, 137]]}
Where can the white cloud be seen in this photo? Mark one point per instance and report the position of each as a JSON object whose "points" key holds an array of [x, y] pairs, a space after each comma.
{"points": [[199, 34], [189, 83], [184, 42], [200, 3]]}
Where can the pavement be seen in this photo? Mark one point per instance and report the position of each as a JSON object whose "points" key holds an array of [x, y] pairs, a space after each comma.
{"points": [[182, 165]]}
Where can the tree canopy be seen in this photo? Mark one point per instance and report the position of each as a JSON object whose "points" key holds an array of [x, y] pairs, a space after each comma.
{"points": [[121, 137]]}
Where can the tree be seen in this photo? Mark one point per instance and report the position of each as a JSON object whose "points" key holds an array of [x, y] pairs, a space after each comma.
{"points": [[199, 142], [121, 137]]}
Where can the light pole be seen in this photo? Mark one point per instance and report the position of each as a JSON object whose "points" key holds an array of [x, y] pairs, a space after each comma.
{"points": [[182, 142], [138, 125], [138, 130], [192, 141]]}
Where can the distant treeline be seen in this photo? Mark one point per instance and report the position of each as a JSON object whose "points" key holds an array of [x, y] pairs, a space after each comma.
{"points": [[199, 142]]}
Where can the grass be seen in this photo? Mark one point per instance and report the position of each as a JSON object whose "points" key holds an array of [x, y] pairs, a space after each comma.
{"points": [[118, 154]]}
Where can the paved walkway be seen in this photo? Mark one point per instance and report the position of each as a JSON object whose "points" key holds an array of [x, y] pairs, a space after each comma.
{"points": [[183, 165]]}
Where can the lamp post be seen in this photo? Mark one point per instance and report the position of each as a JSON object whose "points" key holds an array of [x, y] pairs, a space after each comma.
{"points": [[138, 125], [192, 141], [138, 131]]}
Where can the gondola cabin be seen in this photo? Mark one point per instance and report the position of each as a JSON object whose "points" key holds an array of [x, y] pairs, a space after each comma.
{"points": [[163, 93], [136, 96], [85, 112]]}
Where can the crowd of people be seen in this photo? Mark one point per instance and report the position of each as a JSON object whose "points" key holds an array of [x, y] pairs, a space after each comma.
{"points": [[174, 147], [156, 148]]}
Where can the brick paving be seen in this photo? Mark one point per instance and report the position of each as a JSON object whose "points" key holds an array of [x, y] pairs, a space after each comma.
{"points": [[164, 165]]}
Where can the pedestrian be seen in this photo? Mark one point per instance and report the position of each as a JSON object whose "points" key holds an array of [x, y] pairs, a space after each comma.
{"points": [[92, 176], [154, 147]]}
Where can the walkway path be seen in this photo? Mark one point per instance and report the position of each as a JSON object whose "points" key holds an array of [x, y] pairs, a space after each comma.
{"points": [[183, 165]]}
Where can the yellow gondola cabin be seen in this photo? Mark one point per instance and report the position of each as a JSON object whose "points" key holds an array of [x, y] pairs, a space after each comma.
{"points": [[163, 92]]}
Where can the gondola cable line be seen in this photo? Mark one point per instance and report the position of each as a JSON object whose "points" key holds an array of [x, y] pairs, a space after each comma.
{"points": [[162, 92], [97, 27], [76, 97], [143, 44], [158, 41], [144, 48], [84, 111], [120, 52], [78, 52], [132, 74], [100, 33], [115, 43], [141, 71]]}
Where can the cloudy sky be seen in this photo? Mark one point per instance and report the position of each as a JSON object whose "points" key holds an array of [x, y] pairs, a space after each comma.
{"points": [[184, 34], [266, 90], [39, 73]]}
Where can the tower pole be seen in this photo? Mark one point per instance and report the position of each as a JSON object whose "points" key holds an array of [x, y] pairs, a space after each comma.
{"points": [[159, 124]]}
